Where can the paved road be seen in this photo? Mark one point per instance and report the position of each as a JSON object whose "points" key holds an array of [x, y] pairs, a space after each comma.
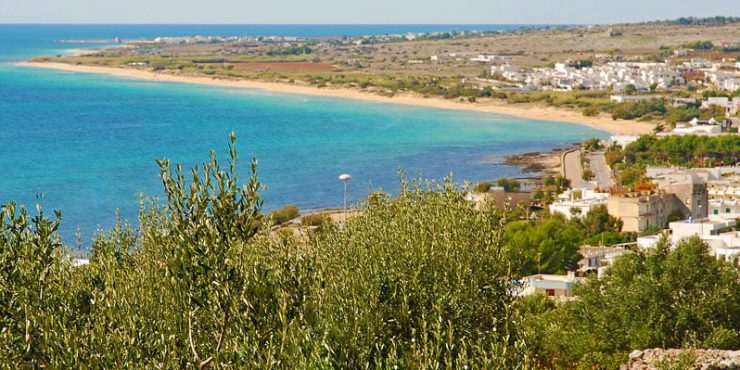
{"points": [[572, 167], [602, 173]]}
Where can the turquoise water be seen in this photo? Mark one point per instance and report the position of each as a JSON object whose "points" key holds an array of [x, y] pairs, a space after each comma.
{"points": [[89, 142]]}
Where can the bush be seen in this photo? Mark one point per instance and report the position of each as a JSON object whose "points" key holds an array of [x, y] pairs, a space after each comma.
{"points": [[509, 185], [316, 219], [587, 175], [591, 112], [483, 187], [284, 214]]}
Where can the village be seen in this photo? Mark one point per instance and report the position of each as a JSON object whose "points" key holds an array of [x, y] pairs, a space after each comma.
{"points": [[673, 204]]}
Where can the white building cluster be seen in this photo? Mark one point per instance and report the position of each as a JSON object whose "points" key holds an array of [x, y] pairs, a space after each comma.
{"points": [[722, 184], [617, 75], [578, 202]]}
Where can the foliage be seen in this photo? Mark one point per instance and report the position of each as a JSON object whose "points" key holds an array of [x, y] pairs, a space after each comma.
{"points": [[699, 45], [547, 246], [293, 50], [316, 219], [656, 298], [632, 110], [689, 150], [718, 20], [587, 174], [421, 281], [284, 214], [509, 185], [550, 245], [592, 144], [613, 155], [482, 187]]}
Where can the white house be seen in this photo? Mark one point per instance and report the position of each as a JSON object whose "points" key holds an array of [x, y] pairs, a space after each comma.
{"points": [[722, 245], [730, 84], [623, 140], [596, 257], [578, 202], [558, 287], [695, 127]]}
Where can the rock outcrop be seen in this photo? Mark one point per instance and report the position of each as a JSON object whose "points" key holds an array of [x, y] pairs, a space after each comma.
{"points": [[699, 359]]}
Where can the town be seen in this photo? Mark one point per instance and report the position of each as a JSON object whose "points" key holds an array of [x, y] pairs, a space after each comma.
{"points": [[667, 202]]}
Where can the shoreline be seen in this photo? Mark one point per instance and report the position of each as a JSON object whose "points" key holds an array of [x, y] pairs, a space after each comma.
{"points": [[603, 123]]}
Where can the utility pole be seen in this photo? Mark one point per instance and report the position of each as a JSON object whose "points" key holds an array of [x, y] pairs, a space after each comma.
{"points": [[345, 177]]}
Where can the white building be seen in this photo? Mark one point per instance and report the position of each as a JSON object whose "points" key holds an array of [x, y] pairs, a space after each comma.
{"points": [[730, 84], [722, 245], [558, 287], [634, 98], [597, 258], [623, 140], [615, 75], [732, 106], [489, 58], [578, 202], [723, 187], [695, 127]]}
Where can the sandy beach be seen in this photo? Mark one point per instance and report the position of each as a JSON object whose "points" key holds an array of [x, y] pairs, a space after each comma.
{"points": [[605, 123]]}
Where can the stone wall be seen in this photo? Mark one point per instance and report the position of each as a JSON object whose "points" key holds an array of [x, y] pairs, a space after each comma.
{"points": [[670, 359]]}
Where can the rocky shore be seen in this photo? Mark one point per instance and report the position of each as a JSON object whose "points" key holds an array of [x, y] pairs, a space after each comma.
{"points": [[546, 163]]}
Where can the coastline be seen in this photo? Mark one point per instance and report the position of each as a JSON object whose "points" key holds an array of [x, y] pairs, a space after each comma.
{"points": [[604, 123]]}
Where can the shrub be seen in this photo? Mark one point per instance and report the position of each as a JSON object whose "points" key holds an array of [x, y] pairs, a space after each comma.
{"points": [[284, 214], [509, 185], [587, 175], [316, 219], [483, 187], [591, 112]]}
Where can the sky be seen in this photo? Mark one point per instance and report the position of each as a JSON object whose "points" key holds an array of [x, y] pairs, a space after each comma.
{"points": [[359, 11]]}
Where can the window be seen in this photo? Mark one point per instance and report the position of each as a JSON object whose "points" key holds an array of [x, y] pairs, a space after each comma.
{"points": [[716, 212], [727, 210], [550, 292]]}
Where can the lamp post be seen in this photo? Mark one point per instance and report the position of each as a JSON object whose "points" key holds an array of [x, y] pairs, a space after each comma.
{"points": [[345, 177]]}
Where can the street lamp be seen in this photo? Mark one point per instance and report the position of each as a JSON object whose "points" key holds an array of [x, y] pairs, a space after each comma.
{"points": [[345, 177]]}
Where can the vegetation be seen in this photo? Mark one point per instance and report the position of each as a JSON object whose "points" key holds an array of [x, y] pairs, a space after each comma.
{"points": [[316, 219], [688, 151], [419, 281], [592, 144], [509, 185], [483, 187], [550, 245], [699, 45], [658, 298], [718, 20], [284, 214], [552, 186], [202, 283]]}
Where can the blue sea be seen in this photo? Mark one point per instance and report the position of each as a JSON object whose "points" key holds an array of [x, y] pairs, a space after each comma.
{"points": [[89, 142]]}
